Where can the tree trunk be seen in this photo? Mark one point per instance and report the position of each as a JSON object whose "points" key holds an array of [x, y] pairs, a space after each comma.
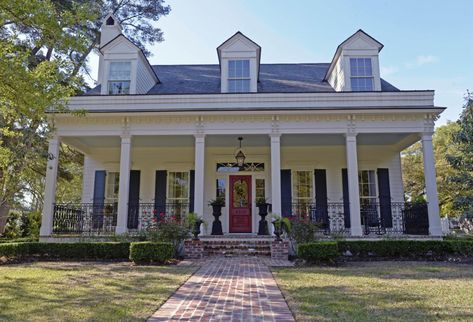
{"points": [[4, 211]]}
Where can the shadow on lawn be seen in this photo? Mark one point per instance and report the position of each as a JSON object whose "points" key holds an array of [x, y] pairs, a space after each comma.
{"points": [[97, 292], [346, 304]]}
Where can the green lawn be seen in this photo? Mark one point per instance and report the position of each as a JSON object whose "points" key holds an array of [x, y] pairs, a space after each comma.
{"points": [[61, 291], [380, 291]]}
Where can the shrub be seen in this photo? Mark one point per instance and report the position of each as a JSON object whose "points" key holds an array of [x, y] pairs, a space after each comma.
{"points": [[150, 252], [303, 231], [77, 251], [407, 248], [318, 252]]}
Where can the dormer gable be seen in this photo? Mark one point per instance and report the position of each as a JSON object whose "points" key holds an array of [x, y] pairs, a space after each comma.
{"points": [[123, 68], [355, 65], [239, 59], [110, 29]]}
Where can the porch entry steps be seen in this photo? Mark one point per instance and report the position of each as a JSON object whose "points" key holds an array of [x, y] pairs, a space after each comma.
{"points": [[237, 246]]}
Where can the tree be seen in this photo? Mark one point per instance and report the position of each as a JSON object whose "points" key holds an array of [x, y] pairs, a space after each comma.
{"points": [[81, 21], [413, 169], [44, 45], [461, 159]]}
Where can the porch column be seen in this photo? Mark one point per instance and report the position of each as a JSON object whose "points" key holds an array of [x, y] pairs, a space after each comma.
{"points": [[124, 184], [199, 174], [353, 187], [276, 173], [435, 227], [50, 188]]}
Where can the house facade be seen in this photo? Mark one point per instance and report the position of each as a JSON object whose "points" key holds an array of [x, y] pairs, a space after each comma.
{"points": [[316, 141]]}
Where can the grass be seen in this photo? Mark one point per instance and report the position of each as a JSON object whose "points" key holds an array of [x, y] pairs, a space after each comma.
{"points": [[379, 291], [62, 291]]}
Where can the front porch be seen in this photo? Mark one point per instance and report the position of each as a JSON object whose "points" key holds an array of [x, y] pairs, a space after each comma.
{"points": [[348, 185], [101, 220]]}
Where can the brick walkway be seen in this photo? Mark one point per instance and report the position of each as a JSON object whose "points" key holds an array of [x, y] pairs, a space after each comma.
{"points": [[228, 289]]}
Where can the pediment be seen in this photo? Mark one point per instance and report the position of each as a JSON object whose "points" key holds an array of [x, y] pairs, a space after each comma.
{"points": [[361, 40], [120, 45], [239, 42]]}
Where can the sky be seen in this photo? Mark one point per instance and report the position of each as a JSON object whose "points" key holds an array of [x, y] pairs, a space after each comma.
{"points": [[427, 43]]}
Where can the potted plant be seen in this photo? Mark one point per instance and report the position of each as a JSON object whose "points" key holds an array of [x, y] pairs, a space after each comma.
{"points": [[194, 221], [281, 225], [262, 205], [217, 205]]}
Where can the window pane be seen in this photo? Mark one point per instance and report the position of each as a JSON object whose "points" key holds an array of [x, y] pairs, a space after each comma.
{"points": [[178, 185], [360, 84], [360, 67], [120, 71], [221, 188], [302, 185], [238, 85], [238, 68], [122, 87], [113, 183], [260, 192]]}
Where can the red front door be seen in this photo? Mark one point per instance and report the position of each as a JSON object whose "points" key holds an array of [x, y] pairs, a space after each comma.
{"points": [[240, 204]]}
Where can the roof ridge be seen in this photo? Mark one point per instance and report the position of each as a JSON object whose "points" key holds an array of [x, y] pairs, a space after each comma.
{"points": [[328, 63]]}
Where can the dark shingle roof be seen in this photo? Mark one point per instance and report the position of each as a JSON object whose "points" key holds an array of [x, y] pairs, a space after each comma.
{"points": [[274, 78]]}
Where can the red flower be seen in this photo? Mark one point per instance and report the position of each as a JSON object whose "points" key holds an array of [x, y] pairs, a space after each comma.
{"points": [[154, 211], [155, 219]]}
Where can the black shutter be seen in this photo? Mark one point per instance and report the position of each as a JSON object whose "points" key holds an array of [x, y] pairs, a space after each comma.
{"points": [[320, 177], [385, 198], [134, 199], [99, 198], [286, 193], [160, 192], [191, 191], [346, 199]]}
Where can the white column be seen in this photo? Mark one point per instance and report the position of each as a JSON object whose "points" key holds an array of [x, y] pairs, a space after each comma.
{"points": [[199, 174], [353, 188], [435, 227], [50, 188], [124, 184], [276, 173]]}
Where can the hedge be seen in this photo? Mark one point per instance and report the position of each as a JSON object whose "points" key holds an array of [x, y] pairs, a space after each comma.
{"points": [[385, 249], [77, 251], [318, 252], [151, 252], [407, 248]]}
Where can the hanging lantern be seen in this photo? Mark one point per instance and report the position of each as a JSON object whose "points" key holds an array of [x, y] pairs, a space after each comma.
{"points": [[240, 156]]}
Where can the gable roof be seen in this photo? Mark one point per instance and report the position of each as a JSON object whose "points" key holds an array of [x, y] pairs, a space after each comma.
{"points": [[339, 48], [240, 34], [274, 78], [137, 48]]}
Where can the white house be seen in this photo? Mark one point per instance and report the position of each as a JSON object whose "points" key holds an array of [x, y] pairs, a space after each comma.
{"points": [[319, 141]]}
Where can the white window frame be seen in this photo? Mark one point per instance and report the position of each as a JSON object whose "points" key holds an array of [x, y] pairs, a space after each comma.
{"points": [[241, 78], [373, 198], [109, 187], [123, 81], [352, 77], [173, 199], [295, 198]]}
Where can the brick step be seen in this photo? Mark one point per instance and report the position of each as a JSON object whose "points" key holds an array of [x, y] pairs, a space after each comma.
{"points": [[230, 247]]}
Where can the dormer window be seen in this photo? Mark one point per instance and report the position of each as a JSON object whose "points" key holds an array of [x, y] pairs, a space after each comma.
{"points": [[238, 76], [119, 78], [361, 75]]}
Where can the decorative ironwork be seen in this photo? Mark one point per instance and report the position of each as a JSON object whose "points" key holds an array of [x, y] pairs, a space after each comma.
{"points": [[399, 218], [234, 167], [329, 218], [149, 214], [85, 218]]}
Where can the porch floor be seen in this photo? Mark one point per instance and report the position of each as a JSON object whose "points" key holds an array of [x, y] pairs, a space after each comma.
{"points": [[228, 289]]}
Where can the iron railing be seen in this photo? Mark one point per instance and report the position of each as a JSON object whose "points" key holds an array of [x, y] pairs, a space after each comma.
{"points": [[80, 218], [329, 218], [395, 218], [142, 216]]}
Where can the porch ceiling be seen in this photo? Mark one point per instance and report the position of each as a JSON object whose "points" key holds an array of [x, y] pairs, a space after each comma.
{"points": [[401, 140]]}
